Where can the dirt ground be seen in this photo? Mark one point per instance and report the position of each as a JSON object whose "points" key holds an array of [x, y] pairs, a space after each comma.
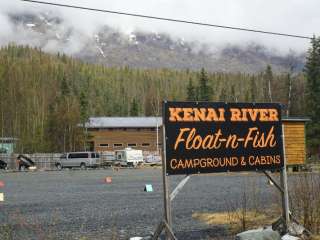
{"points": [[74, 204]]}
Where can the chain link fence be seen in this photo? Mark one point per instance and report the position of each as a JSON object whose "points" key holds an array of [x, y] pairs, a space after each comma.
{"points": [[47, 161]]}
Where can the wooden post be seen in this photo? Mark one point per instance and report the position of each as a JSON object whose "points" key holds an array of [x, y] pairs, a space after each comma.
{"points": [[167, 205], [274, 182], [166, 223], [284, 185]]}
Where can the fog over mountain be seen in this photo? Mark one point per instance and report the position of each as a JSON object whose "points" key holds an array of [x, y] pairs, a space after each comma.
{"points": [[120, 40]]}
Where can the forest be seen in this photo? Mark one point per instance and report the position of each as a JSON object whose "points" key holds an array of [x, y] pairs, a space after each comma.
{"points": [[45, 98]]}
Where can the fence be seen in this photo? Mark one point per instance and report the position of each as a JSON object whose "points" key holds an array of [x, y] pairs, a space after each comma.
{"points": [[46, 161]]}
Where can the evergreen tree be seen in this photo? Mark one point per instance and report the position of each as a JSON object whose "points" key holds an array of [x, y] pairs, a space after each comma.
{"points": [[83, 107], [64, 86], [223, 95], [204, 88], [134, 109], [191, 91], [312, 73], [247, 96], [268, 77], [288, 84], [253, 89], [233, 95], [84, 115]]}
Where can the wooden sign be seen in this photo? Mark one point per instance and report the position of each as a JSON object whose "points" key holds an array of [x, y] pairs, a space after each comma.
{"points": [[295, 141], [206, 137]]}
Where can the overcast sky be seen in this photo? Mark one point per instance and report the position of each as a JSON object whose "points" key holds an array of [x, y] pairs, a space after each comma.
{"points": [[300, 17]]}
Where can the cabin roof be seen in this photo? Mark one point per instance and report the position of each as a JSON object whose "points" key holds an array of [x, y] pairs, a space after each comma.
{"points": [[123, 122], [8, 139], [147, 122], [295, 119]]}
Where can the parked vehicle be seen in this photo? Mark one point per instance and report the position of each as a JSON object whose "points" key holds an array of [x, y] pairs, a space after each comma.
{"points": [[129, 157], [3, 165], [78, 159], [107, 159], [25, 163], [153, 160]]}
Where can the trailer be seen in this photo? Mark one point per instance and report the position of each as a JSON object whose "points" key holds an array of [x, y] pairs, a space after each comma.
{"points": [[128, 157], [24, 163]]}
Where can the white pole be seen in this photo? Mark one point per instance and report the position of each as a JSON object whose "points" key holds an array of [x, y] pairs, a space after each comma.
{"points": [[157, 135]]}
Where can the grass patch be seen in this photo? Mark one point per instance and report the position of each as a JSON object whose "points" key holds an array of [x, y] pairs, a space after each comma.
{"points": [[234, 220]]}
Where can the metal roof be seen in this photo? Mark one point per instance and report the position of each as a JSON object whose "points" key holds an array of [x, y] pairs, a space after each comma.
{"points": [[123, 122], [8, 139], [145, 122], [295, 119]]}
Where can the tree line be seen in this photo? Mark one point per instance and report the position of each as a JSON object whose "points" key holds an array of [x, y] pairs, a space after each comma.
{"points": [[45, 98]]}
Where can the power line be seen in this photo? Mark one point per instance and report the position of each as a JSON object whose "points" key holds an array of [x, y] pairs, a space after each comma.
{"points": [[168, 19]]}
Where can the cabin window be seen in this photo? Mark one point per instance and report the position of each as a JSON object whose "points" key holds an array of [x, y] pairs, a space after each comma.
{"points": [[117, 145], [145, 144], [132, 144], [104, 145]]}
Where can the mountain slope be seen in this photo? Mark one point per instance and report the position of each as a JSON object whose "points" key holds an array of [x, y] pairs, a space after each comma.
{"points": [[110, 47]]}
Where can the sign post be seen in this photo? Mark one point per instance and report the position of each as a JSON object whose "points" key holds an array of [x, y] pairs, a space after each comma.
{"points": [[166, 223], [284, 185], [167, 203], [208, 137]]}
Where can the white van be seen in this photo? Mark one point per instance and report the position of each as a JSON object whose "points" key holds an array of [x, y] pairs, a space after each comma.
{"points": [[129, 157], [78, 159]]}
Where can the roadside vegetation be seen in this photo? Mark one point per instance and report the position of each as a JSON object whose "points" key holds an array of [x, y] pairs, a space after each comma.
{"points": [[305, 200], [249, 212]]}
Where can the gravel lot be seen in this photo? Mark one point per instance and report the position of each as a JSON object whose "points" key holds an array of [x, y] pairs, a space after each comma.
{"points": [[74, 204]]}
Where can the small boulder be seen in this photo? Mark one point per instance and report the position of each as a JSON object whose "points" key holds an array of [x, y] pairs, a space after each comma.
{"points": [[288, 237], [259, 234]]}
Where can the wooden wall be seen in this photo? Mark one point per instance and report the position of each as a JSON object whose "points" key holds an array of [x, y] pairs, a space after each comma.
{"points": [[295, 144], [144, 138]]}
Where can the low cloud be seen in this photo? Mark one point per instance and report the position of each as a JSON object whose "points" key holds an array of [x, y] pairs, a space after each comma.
{"points": [[288, 16]]}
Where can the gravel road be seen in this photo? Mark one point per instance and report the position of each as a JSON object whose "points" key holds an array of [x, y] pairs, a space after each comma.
{"points": [[74, 204]]}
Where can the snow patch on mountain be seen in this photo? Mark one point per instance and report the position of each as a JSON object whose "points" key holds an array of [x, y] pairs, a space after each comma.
{"points": [[142, 49]]}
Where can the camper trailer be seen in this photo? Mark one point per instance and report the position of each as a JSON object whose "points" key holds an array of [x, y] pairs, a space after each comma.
{"points": [[129, 157]]}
